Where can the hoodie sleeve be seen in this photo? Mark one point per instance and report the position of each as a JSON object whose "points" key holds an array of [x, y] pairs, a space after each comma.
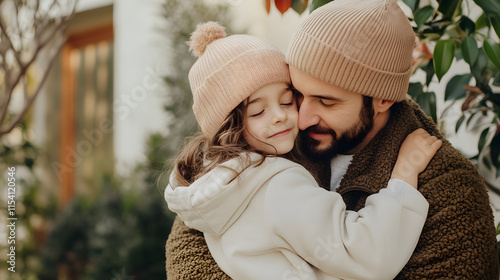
{"points": [[214, 201], [373, 243], [205, 204]]}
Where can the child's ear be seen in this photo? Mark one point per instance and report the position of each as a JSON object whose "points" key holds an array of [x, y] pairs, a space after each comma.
{"points": [[382, 105]]}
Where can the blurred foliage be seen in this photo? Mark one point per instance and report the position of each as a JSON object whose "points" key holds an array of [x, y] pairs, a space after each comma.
{"points": [[298, 6], [122, 232], [34, 206], [16, 148], [33, 209], [457, 37]]}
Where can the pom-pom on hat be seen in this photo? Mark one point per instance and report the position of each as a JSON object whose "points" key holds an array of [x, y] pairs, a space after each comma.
{"points": [[363, 46], [228, 70], [204, 35]]}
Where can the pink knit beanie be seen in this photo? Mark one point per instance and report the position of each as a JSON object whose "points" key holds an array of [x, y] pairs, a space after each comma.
{"points": [[228, 70], [363, 46]]}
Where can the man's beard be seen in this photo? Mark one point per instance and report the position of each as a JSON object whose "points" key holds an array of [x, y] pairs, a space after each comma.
{"points": [[351, 138]]}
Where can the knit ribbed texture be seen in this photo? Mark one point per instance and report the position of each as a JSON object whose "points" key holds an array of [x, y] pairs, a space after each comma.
{"points": [[228, 71], [364, 46]]}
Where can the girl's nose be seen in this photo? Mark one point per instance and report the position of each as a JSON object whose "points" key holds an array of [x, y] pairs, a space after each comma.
{"points": [[279, 115]]}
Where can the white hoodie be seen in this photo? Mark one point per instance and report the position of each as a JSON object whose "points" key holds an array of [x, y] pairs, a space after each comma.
{"points": [[274, 222]]}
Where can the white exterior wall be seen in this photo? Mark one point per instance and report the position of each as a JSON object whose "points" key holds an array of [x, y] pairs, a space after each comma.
{"points": [[139, 92]]}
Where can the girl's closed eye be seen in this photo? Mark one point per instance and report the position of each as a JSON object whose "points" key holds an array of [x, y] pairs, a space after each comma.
{"points": [[255, 108], [287, 99], [256, 114]]}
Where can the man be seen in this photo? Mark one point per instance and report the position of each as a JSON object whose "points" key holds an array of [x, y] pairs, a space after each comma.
{"points": [[351, 61]]}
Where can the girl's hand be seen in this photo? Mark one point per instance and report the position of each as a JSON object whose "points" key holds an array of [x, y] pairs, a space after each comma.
{"points": [[414, 155]]}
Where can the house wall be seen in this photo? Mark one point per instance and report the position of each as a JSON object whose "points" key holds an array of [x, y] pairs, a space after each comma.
{"points": [[139, 92]]}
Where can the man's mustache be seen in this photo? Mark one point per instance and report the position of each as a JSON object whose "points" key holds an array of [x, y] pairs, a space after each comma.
{"points": [[320, 130]]}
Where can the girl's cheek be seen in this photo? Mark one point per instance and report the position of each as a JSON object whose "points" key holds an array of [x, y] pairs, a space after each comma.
{"points": [[292, 113]]}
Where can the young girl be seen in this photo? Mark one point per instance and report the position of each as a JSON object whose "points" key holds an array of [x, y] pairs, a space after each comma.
{"points": [[264, 216]]}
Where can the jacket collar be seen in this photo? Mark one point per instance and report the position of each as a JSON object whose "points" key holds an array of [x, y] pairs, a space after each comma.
{"points": [[371, 168]]}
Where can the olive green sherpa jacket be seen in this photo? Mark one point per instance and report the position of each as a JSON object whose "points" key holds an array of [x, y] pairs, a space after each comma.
{"points": [[457, 242]]}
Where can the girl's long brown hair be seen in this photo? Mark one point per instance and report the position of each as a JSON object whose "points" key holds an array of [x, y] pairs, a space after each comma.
{"points": [[201, 153]]}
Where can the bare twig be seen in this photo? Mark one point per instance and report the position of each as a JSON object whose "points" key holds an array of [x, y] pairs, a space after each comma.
{"points": [[9, 41], [7, 128], [25, 87], [44, 33], [24, 67], [19, 30]]}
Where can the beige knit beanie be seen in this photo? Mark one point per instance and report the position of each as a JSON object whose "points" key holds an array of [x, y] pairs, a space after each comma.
{"points": [[228, 70], [363, 46]]}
